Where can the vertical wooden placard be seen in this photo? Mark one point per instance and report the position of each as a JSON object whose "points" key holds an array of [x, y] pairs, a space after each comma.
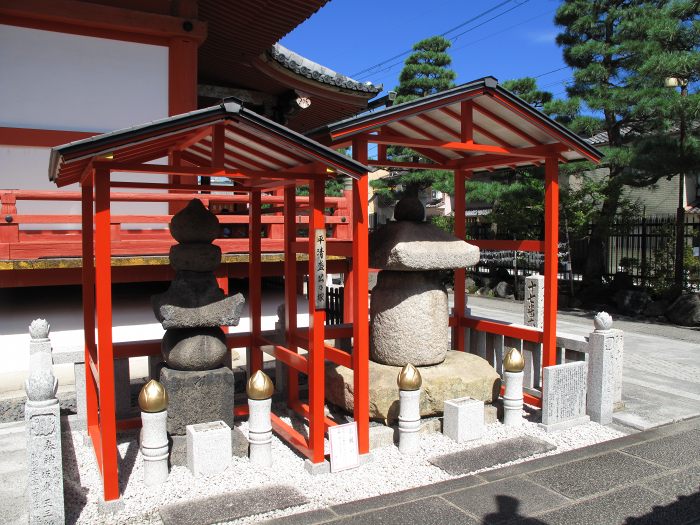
{"points": [[320, 274]]}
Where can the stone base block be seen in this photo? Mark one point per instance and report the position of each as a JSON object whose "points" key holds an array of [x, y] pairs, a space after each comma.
{"points": [[208, 448], [563, 425], [460, 375], [178, 447], [463, 419], [317, 468], [198, 397], [113, 506]]}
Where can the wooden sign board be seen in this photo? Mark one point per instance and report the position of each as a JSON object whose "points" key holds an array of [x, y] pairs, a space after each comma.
{"points": [[345, 453], [320, 268]]}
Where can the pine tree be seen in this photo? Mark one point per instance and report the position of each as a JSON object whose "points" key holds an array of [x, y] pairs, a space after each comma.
{"points": [[426, 72], [607, 45]]}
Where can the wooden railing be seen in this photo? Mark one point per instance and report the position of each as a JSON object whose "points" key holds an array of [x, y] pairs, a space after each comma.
{"points": [[60, 234]]}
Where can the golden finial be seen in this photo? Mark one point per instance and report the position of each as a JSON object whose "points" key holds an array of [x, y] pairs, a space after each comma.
{"points": [[409, 378], [513, 361], [153, 397], [259, 386]]}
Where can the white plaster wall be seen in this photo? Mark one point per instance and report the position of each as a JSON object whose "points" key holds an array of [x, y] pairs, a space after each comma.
{"points": [[59, 81]]}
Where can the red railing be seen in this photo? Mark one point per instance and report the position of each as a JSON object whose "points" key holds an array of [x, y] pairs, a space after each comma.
{"points": [[58, 238]]}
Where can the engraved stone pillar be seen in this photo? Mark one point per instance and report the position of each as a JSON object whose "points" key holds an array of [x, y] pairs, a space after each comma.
{"points": [[533, 315], [564, 396], [153, 401], [43, 431], [260, 389], [604, 369], [513, 365], [409, 381]]}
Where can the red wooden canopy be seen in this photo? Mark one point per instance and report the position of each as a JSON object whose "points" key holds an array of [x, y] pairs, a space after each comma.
{"points": [[475, 127], [258, 154]]}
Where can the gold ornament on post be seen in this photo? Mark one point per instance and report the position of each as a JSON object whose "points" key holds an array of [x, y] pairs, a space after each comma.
{"points": [[409, 378], [259, 386], [513, 361], [153, 397]]}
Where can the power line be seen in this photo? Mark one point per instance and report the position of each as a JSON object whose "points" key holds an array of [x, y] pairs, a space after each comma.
{"points": [[466, 22]]}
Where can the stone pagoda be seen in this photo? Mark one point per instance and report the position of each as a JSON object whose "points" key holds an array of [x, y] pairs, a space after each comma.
{"points": [[192, 311], [409, 319]]}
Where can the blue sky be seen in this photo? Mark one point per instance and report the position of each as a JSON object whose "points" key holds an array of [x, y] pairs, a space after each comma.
{"points": [[515, 38]]}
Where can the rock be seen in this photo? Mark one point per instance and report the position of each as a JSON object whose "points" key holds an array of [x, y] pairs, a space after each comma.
{"points": [[656, 308], [194, 224], [198, 397], [632, 302], [460, 375], [503, 289], [189, 290], [622, 281], [685, 310], [194, 349], [372, 280], [409, 209], [415, 246], [226, 312], [485, 291], [408, 319], [196, 257]]}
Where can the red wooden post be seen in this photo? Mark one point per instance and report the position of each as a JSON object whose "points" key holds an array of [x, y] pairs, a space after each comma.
{"points": [[105, 362], [9, 231], [360, 283], [459, 273], [290, 288], [276, 231], [254, 282], [551, 260], [88, 280], [317, 319]]}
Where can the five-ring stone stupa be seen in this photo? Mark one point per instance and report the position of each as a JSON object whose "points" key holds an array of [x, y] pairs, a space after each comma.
{"points": [[192, 311], [409, 319]]}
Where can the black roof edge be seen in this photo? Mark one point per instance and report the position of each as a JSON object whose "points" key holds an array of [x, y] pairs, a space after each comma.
{"points": [[490, 83], [579, 141], [487, 82], [104, 143]]}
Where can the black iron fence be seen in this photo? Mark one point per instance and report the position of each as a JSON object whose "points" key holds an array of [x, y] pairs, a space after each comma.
{"points": [[644, 248]]}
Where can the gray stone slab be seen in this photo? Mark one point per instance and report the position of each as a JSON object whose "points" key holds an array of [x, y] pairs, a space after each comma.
{"points": [[304, 518], [467, 461], [506, 500], [685, 482], [673, 451], [396, 498], [631, 506], [590, 476], [231, 506], [429, 511]]}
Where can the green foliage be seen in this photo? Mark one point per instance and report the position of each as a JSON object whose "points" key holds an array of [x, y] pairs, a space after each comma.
{"points": [[426, 70], [444, 222], [621, 51], [526, 88]]}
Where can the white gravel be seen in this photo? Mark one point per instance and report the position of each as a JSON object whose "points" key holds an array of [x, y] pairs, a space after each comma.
{"points": [[388, 471]]}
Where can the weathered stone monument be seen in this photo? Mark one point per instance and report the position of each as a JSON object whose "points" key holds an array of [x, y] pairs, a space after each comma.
{"points": [[43, 429], [409, 320], [564, 396], [192, 310]]}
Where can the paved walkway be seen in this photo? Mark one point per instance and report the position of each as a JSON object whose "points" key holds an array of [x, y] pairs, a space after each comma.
{"points": [[650, 477], [13, 474], [661, 364]]}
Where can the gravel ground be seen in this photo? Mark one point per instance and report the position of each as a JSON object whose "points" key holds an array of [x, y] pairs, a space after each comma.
{"points": [[388, 471]]}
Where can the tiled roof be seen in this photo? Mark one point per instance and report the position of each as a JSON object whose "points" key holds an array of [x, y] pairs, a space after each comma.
{"points": [[305, 67]]}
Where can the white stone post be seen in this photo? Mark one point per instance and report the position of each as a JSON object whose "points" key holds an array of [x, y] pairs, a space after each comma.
{"points": [[153, 401], [43, 431], [513, 365], [260, 389], [605, 352], [409, 381]]}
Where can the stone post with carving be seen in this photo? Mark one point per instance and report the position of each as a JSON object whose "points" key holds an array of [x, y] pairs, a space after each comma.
{"points": [[43, 430], [513, 364], [153, 401], [259, 389], [409, 381], [605, 352]]}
